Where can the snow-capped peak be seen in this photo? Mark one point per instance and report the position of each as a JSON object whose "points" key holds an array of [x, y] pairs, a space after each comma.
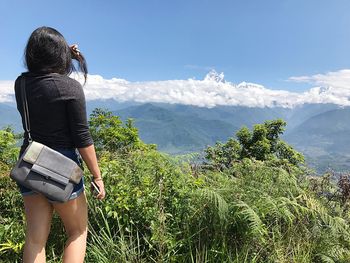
{"points": [[215, 76]]}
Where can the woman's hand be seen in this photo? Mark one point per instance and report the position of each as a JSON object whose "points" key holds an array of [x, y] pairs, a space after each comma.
{"points": [[75, 51], [89, 156], [101, 187]]}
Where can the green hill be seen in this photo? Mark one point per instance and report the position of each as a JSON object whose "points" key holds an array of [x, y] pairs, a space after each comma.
{"points": [[320, 131], [9, 116], [325, 139], [175, 132]]}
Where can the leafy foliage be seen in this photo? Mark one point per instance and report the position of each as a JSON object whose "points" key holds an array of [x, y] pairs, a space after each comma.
{"points": [[8, 153], [109, 133], [263, 143], [250, 200]]}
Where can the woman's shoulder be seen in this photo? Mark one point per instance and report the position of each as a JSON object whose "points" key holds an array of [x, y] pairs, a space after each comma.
{"points": [[68, 86], [67, 80], [17, 82], [19, 77]]}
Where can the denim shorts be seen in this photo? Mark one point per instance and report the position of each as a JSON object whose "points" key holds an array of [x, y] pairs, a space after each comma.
{"points": [[78, 188]]}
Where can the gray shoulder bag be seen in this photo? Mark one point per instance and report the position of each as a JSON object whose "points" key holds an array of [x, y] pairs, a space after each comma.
{"points": [[43, 169]]}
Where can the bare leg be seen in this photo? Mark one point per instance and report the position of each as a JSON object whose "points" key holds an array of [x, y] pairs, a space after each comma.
{"points": [[74, 217], [38, 213]]}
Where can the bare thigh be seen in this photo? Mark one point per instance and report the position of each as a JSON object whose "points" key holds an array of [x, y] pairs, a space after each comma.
{"points": [[73, 215], [38, 213]]}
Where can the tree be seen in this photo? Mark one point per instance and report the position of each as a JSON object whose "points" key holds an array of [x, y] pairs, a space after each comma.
{"points": [[222, 155], [109, 133], [263, 143]]}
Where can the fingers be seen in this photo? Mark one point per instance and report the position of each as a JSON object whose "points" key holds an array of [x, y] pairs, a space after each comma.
{"points": [[75, 51], [101, 187], [101, 195]]}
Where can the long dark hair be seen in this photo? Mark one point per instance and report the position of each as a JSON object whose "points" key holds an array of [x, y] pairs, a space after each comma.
{"points": [[48, 52]]}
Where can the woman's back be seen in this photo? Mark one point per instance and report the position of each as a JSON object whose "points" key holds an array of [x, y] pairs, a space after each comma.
{"points": [[56, 109]]}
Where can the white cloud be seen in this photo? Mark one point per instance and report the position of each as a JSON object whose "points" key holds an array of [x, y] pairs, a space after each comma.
{"points": [[334, 87], [6, 91], [336, 79], [213, 91]]}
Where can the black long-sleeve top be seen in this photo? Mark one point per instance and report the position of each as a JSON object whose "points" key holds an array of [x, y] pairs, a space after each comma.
{"points": [[57, 110]]}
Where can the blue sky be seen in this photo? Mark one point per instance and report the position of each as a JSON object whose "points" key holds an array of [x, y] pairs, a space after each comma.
{"points": [[264, 42]]}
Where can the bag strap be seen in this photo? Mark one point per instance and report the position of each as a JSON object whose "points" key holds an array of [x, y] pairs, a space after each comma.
{"points": [[25, 108]]}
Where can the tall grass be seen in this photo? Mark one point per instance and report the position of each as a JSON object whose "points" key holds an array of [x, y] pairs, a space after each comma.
{"points": [[109, 244]]}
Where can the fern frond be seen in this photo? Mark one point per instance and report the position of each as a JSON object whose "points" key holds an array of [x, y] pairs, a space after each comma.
{"points": [[252, 219], [217, 201]]}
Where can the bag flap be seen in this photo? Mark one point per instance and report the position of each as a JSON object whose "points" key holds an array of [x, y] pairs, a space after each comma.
{"points": [[49, 175], [32, 152], [45, 157]]}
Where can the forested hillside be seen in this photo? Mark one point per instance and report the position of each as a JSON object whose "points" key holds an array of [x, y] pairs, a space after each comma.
{"points": [[319, 131], [247, 199]]}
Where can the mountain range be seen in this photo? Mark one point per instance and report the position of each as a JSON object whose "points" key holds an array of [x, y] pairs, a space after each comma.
{"points": [[319, 131]]}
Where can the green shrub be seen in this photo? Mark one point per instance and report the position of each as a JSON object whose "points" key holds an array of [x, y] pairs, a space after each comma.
{"points": [[251, 200]]}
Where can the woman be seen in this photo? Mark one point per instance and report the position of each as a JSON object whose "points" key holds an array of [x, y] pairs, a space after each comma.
{"points": [[57, 113]]}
